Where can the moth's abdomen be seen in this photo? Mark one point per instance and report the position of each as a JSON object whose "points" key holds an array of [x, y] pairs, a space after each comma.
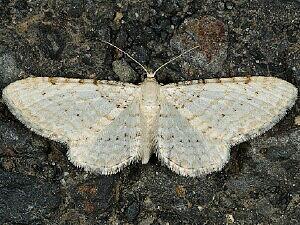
{"points": [[149, 107]]}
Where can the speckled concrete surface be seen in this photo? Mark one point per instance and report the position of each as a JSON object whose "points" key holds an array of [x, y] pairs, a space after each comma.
{"points": [[38, 185]]}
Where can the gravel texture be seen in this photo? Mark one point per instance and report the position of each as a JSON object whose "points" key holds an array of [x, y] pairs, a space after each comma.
{"points": [[261, 183]]}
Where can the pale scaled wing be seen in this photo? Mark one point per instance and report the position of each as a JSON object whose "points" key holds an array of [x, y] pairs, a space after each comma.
{"points": [[185, 150], [98, 120], [224, 112]]}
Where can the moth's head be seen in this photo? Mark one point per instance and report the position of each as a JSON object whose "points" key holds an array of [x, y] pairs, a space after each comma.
{"points": [[150, 74]]}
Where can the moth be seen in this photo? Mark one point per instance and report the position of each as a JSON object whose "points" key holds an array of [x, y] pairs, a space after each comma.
{"points": [[190, 126]]}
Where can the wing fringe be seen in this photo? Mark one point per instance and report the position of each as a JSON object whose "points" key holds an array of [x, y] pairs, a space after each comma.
{"points": [[102, 170], [191, 172]]}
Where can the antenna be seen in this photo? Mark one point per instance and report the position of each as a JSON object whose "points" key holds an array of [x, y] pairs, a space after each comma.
{"points": [[174, 58], [143, 67]]}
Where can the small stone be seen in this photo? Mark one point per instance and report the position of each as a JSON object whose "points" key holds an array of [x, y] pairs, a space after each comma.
{"points": [[25, 199], [229, 5], [229, 219], [208, 33], [133, 211], [124, 71], [180, 191], [118, 18], [200, 208]]}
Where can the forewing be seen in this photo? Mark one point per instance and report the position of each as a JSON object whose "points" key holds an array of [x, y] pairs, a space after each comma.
{"points": [[66, 109], [86, 115], [183, 148], [232, 109]]}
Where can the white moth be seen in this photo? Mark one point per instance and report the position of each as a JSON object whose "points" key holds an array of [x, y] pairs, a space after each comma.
{"points": [[190, 126]]}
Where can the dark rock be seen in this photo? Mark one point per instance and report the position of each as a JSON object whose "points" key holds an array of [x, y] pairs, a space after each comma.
{"points": [[52, 42], [141, 54], [5, 9], [140, 12], [100, 11], [21, 5], [72, 8], [275, 153], [25, 199], [9, 71], [23, 152], [92, 195], [122, 39]]}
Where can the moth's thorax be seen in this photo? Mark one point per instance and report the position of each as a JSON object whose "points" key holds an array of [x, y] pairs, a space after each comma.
{"points": [[149, 107], [149, 92]]}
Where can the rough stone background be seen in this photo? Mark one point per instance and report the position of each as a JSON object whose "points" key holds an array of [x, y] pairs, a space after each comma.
{"points": [[260, 185]]}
